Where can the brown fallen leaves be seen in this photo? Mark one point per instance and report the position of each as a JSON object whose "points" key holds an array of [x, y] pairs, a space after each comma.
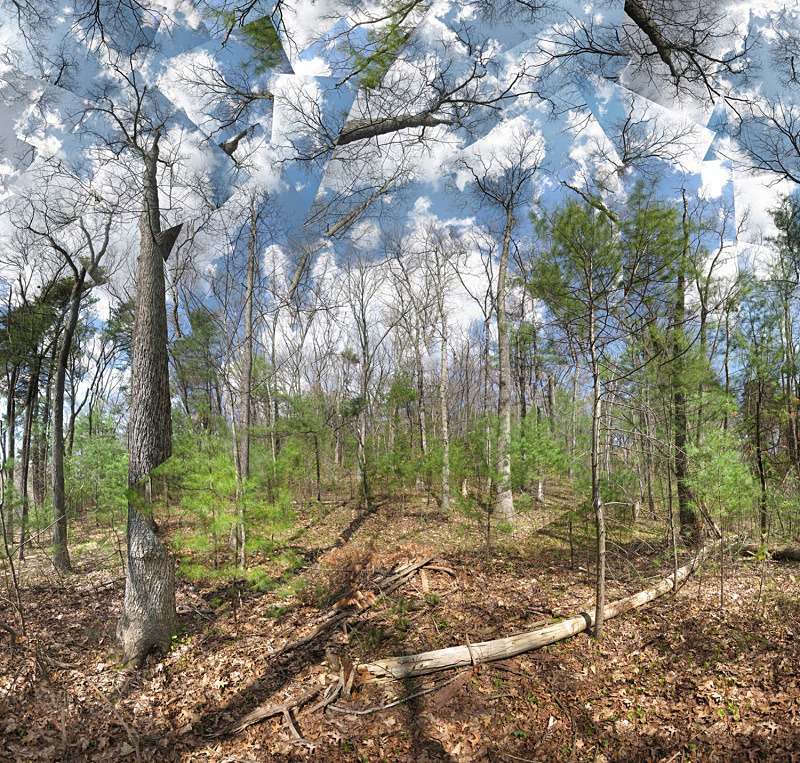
{"points": [[683, 679]]}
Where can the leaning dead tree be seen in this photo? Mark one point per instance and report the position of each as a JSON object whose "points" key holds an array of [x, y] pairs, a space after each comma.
{"points": [[511, 646]]}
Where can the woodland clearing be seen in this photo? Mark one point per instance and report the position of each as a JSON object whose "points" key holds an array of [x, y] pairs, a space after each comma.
{"points": [[708, 674]]}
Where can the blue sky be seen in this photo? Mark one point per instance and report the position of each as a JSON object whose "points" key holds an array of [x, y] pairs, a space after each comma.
{"points": [[575, 111]]}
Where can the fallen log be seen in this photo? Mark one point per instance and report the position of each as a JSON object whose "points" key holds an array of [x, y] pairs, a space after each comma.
{"points": [[780, 554], [500, 649]]}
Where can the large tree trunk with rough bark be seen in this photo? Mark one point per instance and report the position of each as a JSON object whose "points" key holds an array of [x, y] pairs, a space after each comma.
{"points": [[148, 617]]}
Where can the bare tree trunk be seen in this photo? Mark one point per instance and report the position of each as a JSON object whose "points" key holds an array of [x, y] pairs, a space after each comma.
{"points": [[573, 430], [73, 415], [318, 468], [487, 429], [39, 457], [686, 513], [272, 401], [551, 402], [608, 413], [363, 473], [597, 505], [12, 377], [409, 665], [520, 378], [788, 380], [647, 457], [148, 617], [61, 559], [40, 449], [503, 509], [762, 471], [245, 395], [11, 413], [25, 456], [443, 388], [423, 426], [597, 499]]}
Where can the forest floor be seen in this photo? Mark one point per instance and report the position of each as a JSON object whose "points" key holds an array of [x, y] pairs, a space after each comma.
{"points": [[710, 674]]}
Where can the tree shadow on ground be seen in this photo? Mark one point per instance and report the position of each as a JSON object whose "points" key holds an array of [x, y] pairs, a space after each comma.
{"points": [[281, 670], [424, 746]]}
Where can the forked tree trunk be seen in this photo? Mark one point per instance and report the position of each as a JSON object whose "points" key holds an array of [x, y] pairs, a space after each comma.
{"points": [[148, 616]]}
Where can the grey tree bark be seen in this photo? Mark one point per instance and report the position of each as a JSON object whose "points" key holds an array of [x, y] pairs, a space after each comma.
{"points": [[503, 508], [148, 616], [519, 163], [24, 460], [597, 499], [443, 400], [61, 558]]}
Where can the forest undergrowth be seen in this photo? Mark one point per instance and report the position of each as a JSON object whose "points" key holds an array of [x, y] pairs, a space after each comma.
{"points": [[708, 674]]}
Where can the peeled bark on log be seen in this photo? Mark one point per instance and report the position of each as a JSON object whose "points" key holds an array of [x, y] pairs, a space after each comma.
{"points": [[781, 554], [501, 649]]}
